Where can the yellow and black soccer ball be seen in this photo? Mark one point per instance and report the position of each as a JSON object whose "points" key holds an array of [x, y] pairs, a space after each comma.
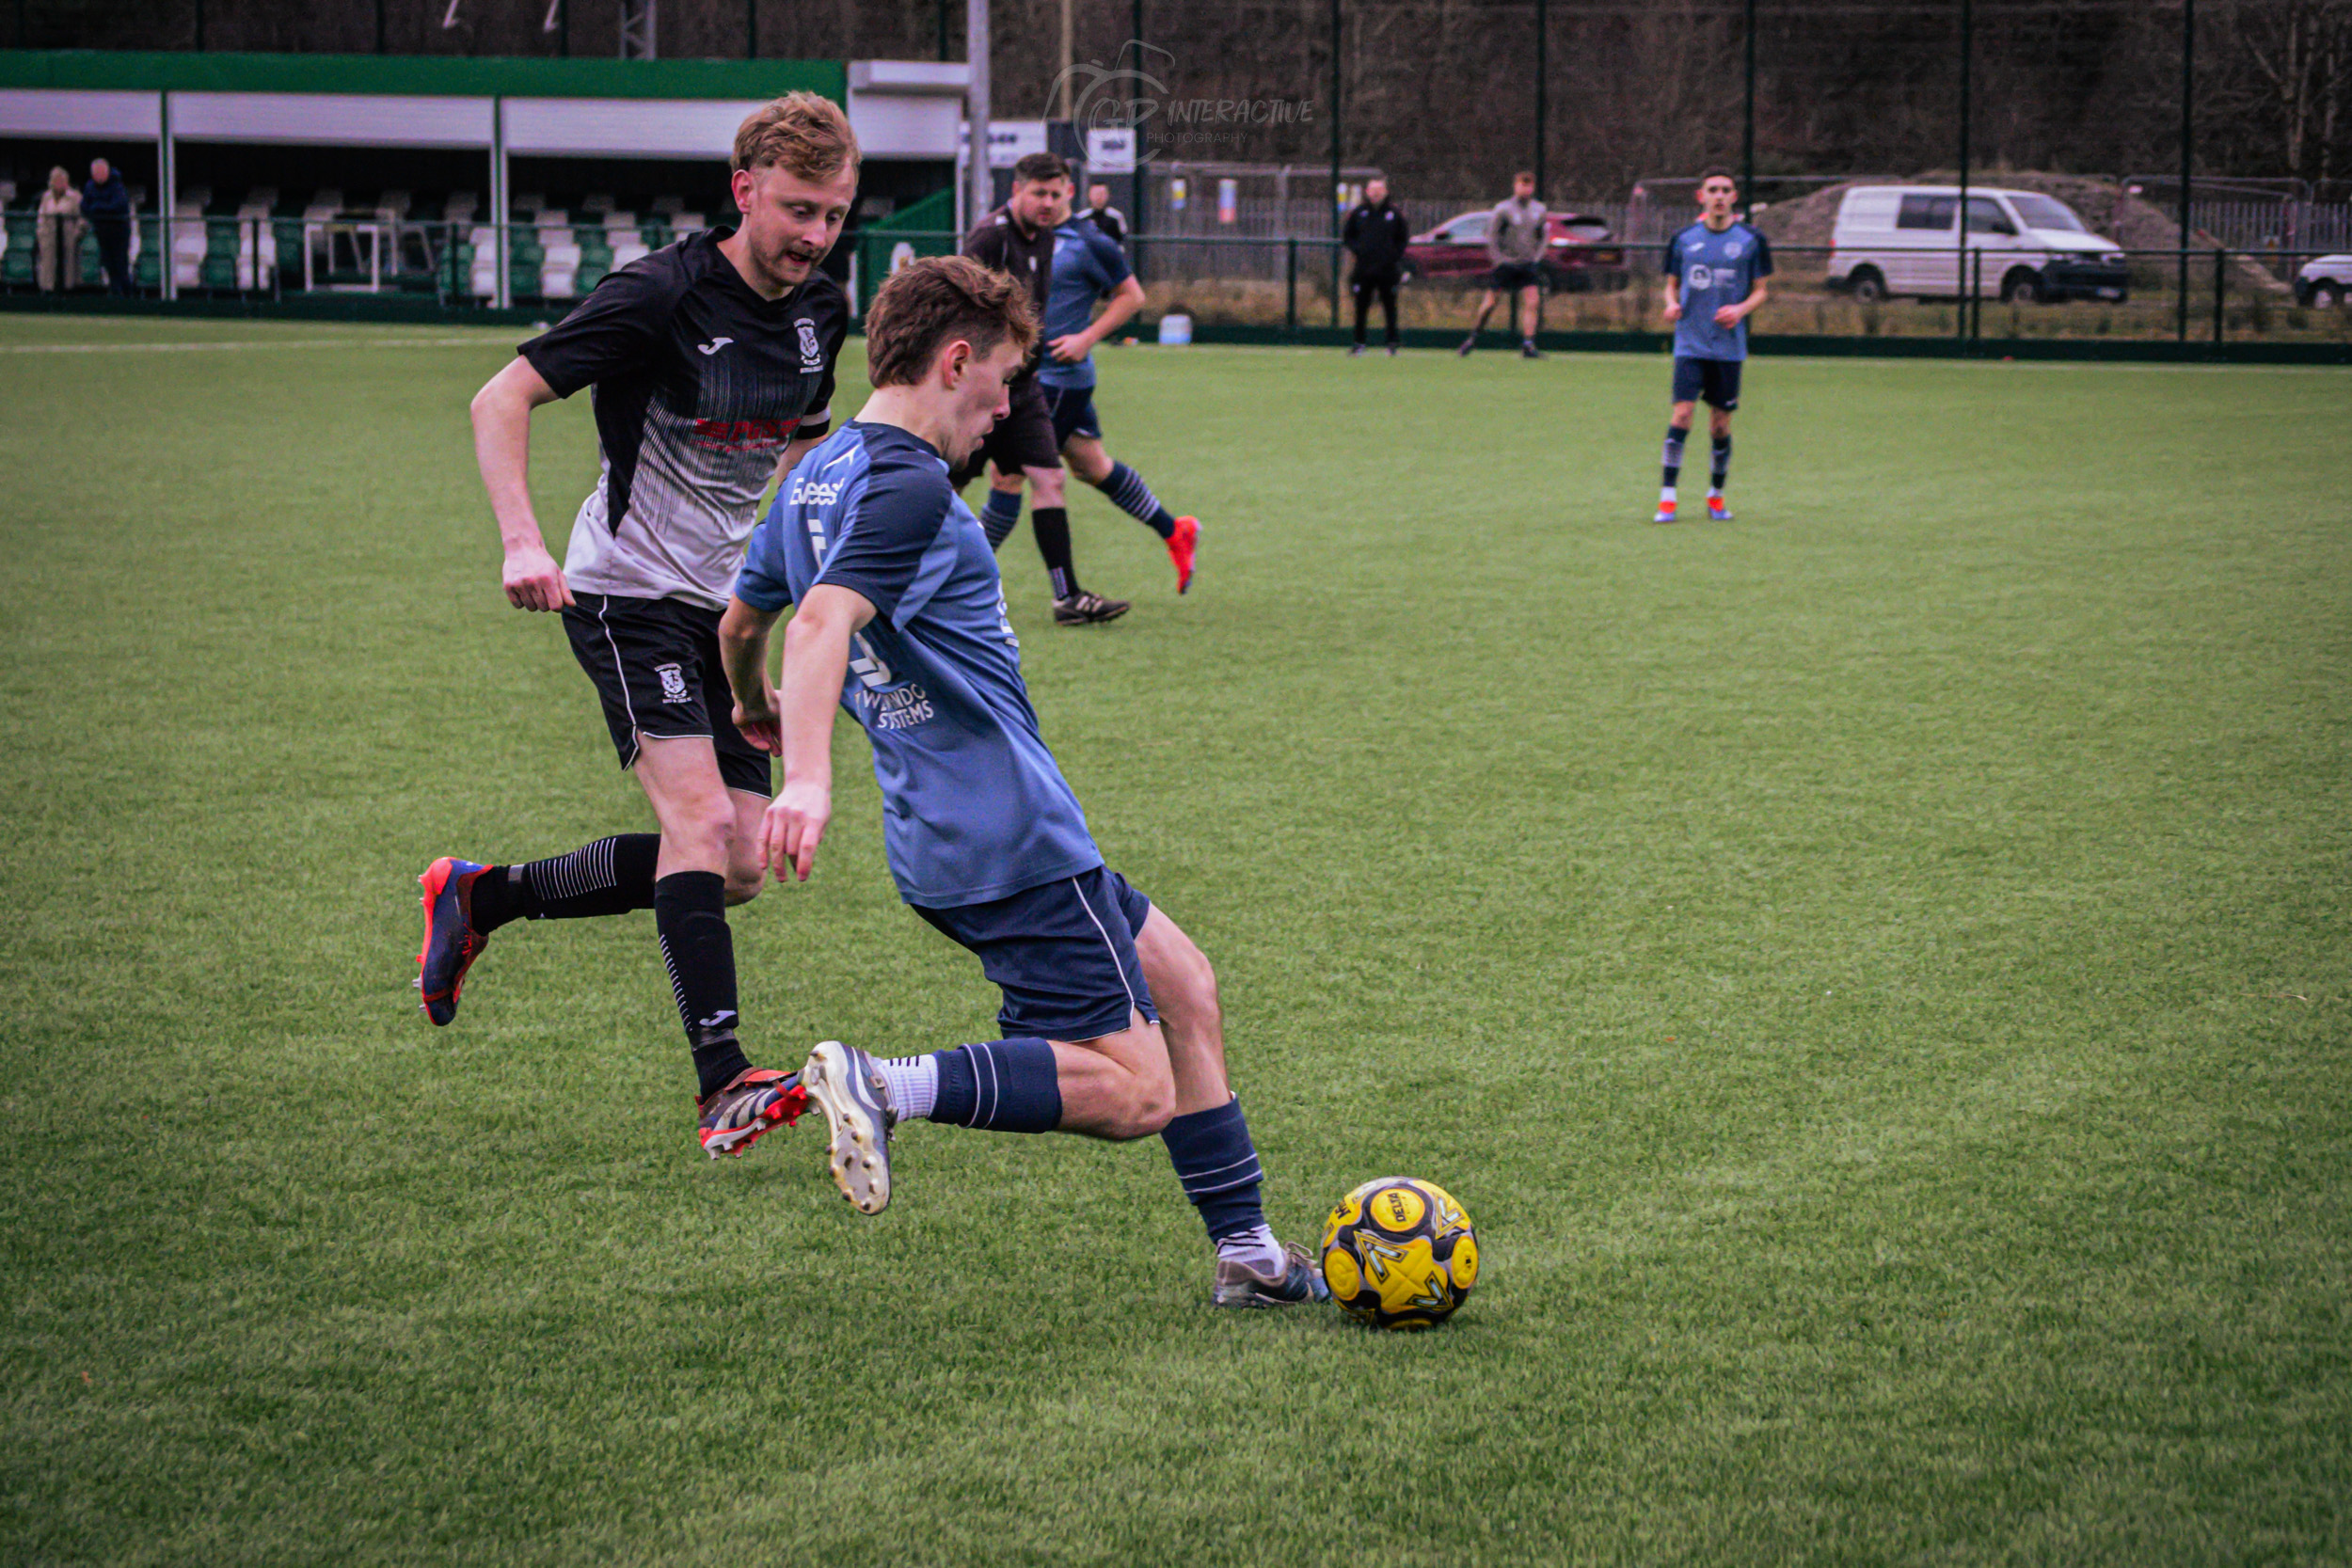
{"points": [[1400, 1253]]}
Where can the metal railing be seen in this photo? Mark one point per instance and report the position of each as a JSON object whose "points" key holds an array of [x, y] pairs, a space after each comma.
{"points": [[2202, 293], [1291, 283], [255, 256]]}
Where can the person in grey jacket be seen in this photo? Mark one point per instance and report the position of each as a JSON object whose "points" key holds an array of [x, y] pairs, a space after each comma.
{"points": [[1515, 237]]}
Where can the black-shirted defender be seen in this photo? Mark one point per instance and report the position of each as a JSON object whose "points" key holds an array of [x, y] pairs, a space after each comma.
{"points": [[712, 361]]}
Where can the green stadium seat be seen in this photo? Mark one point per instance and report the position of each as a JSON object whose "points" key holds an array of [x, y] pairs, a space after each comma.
{"points": [[218, 270], [93, 270], [146, 268], [16, 263], [288, 230]]}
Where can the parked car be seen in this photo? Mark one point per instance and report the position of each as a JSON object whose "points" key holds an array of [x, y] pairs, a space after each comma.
{"points": [[2326, 282], [1901, 240], [1581, 255]]}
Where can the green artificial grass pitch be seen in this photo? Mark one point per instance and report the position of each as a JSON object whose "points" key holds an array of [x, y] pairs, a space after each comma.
{"points": [[1876, 973]]}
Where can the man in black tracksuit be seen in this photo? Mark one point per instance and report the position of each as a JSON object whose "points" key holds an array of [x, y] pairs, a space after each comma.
{"points": [[1377, 235]]}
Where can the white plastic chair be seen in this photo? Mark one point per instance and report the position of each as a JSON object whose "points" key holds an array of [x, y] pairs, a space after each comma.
{"points": [[559, 275], [188, 240]]}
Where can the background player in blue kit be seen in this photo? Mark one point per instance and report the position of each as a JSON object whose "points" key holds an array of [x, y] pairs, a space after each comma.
{"points": [[1089, 265], [1715, 272], [1110, 1013]]}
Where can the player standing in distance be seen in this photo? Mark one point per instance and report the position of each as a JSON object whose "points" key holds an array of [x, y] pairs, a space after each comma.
{"points": [[1715, 272], [900, 619], [1018, 239], [1377, 235], [1515, 237], [1101, 214], [712, 361], [1088, 266]]}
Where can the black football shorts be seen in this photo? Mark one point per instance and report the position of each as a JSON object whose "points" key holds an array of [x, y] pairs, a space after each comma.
{"points": [[1024, 438], [657, 669]]}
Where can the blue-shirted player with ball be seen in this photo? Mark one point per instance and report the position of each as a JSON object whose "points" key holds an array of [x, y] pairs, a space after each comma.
{"points": [[1110, 1017], [1715, 272]]}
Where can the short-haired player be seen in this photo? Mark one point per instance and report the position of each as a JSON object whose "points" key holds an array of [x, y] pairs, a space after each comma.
{"points": [[1018, 239], [712, 361], [1715, 271], [1517, 232], [1112, 1027], [1088, 266]]}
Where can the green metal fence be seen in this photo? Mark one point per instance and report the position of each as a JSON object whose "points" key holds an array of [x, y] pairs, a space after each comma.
{"points": [[1287, 289]]}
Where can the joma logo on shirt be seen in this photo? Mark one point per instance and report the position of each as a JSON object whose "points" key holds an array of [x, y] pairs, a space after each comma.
{"points": [[742, 435]]}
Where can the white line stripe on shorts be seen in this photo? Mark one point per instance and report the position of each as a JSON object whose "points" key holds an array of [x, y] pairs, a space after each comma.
{"points": [[1107, 943], [636, 737]]}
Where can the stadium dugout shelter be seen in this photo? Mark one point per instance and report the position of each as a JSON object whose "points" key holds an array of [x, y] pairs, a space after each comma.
{"points": [[484, 182]]}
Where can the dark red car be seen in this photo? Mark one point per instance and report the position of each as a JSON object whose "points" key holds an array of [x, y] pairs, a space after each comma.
{"points": [[1583, 256]]}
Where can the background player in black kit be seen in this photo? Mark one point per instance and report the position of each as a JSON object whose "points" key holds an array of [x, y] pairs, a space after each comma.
{"points": [[1018, 238], [712, 361], [1376, 235]]}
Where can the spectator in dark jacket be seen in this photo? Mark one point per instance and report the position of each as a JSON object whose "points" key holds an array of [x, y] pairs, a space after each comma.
{"points": [[1100, 213], [1376, 235], [106, 208]]}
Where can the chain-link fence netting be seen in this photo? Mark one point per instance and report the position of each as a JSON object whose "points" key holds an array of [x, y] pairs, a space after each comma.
{"points": [[2139, 169]]}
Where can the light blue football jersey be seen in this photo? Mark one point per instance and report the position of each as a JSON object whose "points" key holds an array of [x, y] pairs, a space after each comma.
{"points": [[1715, 269], [974, 807], [1088, 265]]}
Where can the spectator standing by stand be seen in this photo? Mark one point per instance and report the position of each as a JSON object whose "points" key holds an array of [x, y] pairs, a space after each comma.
{"points": [[106, 207], [58, 235]]}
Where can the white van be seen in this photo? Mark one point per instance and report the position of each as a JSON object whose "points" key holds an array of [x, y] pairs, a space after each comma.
{"points": [[1900, 240]]}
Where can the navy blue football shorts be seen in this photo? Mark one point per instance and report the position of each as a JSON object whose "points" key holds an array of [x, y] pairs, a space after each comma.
{"points": [[1074, 413], [1063, 954], [1715, 382]]}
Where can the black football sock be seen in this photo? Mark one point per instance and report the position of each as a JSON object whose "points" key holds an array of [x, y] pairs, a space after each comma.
{"points": [[690, 912], [1051, 524], [612, 875], [1722, 461], [1674, 438], [1127, 491]]}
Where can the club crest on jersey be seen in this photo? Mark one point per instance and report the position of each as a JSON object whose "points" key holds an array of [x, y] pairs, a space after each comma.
{"points": [[1733, 250], [812, 352], [673, 683]]}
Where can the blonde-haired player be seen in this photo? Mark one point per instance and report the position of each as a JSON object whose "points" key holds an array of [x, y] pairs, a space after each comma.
{"points": [[712, 360]]}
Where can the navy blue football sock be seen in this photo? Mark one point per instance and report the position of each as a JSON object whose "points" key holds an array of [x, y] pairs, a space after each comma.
{"points": [[1722, 461], [1128, 493], [1004, 1086], [1674, 454], [1000, 515], [1218, 1165]]}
